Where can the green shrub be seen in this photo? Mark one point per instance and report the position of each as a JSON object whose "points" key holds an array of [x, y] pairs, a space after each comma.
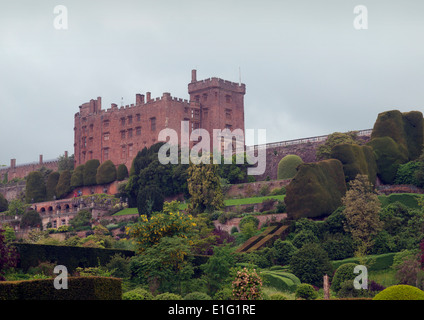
{"points": [[287, 166], [343, 273], [63, 186], [137, 294], [283, 251], [396, 139], [4, 205], [223, 294], [30, 255], [406, 173], [149, 200], [197, 296], [306, 291], [389, 156], [400, 292], [278, 281], [316, 190], [106, 173], [90, 172], [79, 288], [77, 178], [277, 296], [122, 172], [168, 296], [51, 183], [35, 189], [249, 219]]}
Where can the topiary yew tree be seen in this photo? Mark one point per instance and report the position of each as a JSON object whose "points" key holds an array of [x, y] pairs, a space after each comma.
{"points": [[316, 190], [122, 172], [4, 205], [356, 160], [77, 178], [8, 256], [396, 139], [63, 186], [90, 172], [51, 184], [35, 190], [287, 166], [106, 172]]}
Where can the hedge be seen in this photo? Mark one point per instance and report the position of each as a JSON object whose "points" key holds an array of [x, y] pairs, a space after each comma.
{"points": [[106, 172], [280, 280], [396, 139], [356, 160], [400, 292], [287, 166], [79, 288], [316, 190], [379, 262], [30, 255], [90, 172]]}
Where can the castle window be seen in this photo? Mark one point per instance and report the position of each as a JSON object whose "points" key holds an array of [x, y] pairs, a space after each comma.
{"points": [[90, 155], [138, 131], [205, 114], [228, 114], [105, 153], [91, 127], [130, 118], [153, 124], [197, 98], [106, 123], [186, 109], [130, 133], [123, 121], [138, 117], [90, 142], [205, 96], [84, 142], [106, 136], [227, 98], [123, 152], [123, 134], [130, 150]]}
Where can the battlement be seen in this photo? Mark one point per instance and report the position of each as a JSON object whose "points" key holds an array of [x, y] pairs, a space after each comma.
{"points": [[139, 102], [216, 83]]}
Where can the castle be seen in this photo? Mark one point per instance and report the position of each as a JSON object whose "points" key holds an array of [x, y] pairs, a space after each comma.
{"points": [[118, 133]]}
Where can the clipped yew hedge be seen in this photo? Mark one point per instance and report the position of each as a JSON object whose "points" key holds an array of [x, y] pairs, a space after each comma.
{"points": [[316, 190], [356, 160], [30, 255], [79, 288]]}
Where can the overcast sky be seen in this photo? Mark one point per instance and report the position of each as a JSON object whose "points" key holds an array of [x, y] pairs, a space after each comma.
{"points": [[307, 70]]}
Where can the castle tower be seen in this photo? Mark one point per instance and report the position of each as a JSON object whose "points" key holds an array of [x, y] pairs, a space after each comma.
{"points": [[217, 104]]}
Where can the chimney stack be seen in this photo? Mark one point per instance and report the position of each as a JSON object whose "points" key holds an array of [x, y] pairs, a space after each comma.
{"points": [[148, 94], [41, 159], [193, 75]]}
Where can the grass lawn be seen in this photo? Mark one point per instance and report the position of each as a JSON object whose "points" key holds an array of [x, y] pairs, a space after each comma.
{"points": [[228, 202], [252, 200]]}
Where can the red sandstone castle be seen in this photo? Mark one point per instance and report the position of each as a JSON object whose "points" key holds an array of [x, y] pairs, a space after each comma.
{"points": [[118, 133]]}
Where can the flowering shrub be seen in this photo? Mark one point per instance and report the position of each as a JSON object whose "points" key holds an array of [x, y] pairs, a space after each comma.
{"points": [[148, 231], [247, 285]]}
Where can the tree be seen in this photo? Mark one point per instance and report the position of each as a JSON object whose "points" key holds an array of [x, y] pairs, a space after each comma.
{"points": [[204, 186], [149, 200], [164, 266], [287, 167], [106, 172], [4, 205], [35, 190], [64, 184], [31, 219], [52, 180], [77, 178], [122, 172], [217, 269], [8, 256], [83, 218], [90, 172], [247, 285], [65, 163], [362, 208], [324, 151], [310, 263]]}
